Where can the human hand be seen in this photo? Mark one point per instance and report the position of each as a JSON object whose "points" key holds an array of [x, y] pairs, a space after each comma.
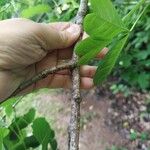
{"points": [[27, 48]]}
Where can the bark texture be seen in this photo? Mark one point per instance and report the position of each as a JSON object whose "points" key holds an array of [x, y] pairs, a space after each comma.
{"points": [[74, 126]]}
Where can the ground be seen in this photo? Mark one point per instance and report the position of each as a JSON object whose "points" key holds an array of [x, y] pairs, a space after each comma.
{"points": [[102, 118]]}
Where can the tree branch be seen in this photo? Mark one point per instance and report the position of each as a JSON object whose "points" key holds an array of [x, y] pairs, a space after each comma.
{"points": [[74, 127], [42, 75]]}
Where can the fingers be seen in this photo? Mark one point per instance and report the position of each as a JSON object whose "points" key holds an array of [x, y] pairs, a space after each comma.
{"points": [[67, 53], [60, 35], [103, 52], [88, 71], [61, 26], [85, 71], [87, 83], [64, 81]]}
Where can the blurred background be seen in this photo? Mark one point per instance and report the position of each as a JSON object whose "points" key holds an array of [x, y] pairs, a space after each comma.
{"points": [[116, 115]]}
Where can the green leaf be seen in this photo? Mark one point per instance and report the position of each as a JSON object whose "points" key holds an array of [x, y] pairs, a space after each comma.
{"points": [[104, 23], [3, 133], [32, 11], [89, 48], [53, 144], [31, 141], [9, 110], [15, 137], [104, 28], [10, 101], [8, 105], [106, 10], [28, 142], [108, 62], [42, 131], [20, 123], [107, 25], [88, 45], [23, 121], [142, 55], [143, 80]]}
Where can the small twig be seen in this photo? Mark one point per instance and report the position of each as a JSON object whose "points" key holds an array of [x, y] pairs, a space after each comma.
{"points": [[74, 127], [43, 75]]}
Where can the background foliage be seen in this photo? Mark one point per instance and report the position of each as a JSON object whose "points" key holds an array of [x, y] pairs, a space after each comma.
{"points": [[134, 64]]}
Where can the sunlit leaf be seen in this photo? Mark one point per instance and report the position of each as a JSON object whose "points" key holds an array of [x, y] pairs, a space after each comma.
{"points": [[106, 10], [10, 101], [8, 105], [3, 133], [143, 80], [104, 28]]}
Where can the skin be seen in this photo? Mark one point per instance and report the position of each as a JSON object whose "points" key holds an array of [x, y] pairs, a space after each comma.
{"points": [[27, 48]]}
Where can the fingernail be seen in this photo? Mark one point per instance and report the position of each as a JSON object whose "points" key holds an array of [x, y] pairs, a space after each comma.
{"points": [[74, 29]]}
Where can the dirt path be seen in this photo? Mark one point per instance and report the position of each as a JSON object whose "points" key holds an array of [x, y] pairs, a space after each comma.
{"points": [[96, 112], [95, 135]]}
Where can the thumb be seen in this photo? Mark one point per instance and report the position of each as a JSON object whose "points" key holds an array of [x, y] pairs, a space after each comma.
{"points": [[60, 35]]}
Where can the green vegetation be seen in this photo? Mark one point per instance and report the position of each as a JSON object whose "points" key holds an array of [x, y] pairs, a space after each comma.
{"points": [[134, 63], [24, 132]]}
